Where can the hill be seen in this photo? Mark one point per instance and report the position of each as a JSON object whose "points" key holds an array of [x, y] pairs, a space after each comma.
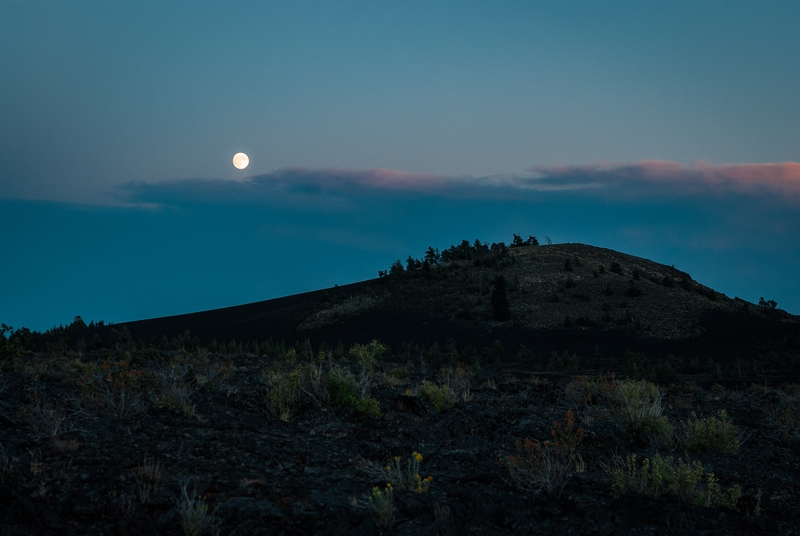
{"points": [[562, 298]]}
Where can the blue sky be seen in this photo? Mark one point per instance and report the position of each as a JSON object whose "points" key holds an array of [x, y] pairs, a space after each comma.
{"points": [[668, 130]]}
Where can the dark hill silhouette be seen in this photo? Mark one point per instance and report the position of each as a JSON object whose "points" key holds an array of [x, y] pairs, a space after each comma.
{"points": [[567, 297]]}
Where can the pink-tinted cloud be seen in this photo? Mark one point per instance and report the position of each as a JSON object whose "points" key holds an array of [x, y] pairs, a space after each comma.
{"points": [[332, 188], [641, 178], [659, 176]]}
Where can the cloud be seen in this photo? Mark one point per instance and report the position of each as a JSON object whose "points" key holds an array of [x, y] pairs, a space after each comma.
{"points": [[659, 177], [330, 188], [391, 179], [336, 189]]}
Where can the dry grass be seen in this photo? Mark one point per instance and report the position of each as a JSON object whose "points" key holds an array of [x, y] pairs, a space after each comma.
{"points": [[47, 419], [147, 475], [193, 513]]}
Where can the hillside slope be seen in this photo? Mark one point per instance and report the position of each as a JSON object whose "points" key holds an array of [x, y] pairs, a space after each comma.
{"points": [[567, 297]]}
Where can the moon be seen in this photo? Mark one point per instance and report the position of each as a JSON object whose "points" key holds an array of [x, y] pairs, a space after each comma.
{"points": [[240, 160]]}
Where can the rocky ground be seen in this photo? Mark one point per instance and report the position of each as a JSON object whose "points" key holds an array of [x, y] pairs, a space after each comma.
{"points": [[201, 443]]}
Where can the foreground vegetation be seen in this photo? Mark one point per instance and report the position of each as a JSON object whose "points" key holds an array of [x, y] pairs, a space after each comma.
{"points": [[619, 433]]}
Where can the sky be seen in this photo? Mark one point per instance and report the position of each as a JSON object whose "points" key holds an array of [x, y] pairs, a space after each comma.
{"points": [[666, 130]]}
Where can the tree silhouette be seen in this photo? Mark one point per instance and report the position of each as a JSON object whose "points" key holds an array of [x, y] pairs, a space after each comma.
{"points": [[432, 256], [767, 304], [500, 305], [397, 268]]}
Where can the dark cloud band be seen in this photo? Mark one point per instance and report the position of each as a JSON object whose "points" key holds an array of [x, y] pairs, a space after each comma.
{"points": [[334, 188]]}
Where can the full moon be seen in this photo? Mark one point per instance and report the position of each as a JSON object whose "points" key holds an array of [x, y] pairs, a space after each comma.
{"points": [[240, 160]]}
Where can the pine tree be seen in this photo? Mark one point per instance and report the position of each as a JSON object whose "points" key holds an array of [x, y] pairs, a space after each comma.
{"points": [[500, 305]]}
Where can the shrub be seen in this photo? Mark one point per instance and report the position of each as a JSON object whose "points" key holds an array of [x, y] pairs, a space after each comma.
{"points": [[716, 434], [442, 397], [637, 406], [665, 373], [396, 376], [787, 418], [636, 365], [565, 361], [46, 419], [282, 392], [367, 407], [657, 476], [587, 397], [367, 355], [173, 393], [343, 390], [211, 373], [381, 506], [636, 402], [312, 383], [113, 389], [547, 465], [459, 379], [581, 392], [407, 478]]}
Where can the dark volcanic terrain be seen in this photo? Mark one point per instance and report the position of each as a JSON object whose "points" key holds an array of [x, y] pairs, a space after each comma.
{"points": [[609, 395]]}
